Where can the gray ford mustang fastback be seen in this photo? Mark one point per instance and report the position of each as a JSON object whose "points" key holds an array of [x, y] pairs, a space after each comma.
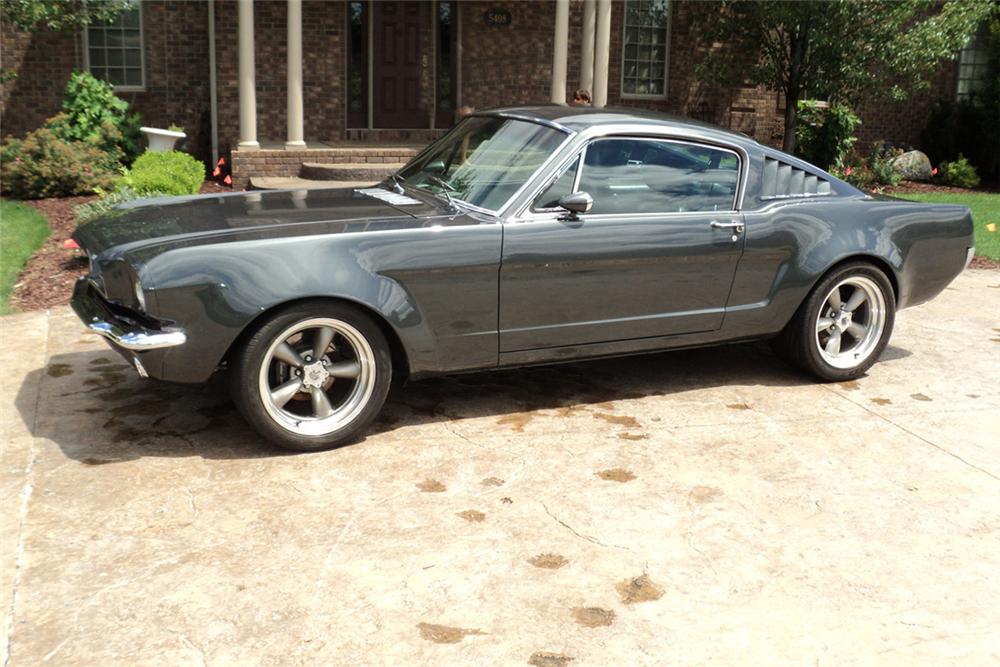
{"points": [[523, 236]]}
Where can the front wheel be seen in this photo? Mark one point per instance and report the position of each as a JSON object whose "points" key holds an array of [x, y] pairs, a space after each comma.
{"points": [[843, 326], [314, 376]]}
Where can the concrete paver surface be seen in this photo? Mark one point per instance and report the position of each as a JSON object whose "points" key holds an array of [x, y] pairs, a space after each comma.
{"points": [[679, 508]]}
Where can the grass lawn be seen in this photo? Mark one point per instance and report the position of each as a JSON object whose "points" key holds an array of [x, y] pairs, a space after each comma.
{"points": [[22, 231], [985, 210]]}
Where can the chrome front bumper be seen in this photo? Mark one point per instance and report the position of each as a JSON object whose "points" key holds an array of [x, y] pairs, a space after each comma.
{"points": [[101, 320]]}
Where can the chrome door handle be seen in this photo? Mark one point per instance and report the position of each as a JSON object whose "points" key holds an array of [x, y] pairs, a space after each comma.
{"points": [[735, 226]]}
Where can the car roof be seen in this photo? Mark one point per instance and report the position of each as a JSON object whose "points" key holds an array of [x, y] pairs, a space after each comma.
{"points": [[577, 118]]}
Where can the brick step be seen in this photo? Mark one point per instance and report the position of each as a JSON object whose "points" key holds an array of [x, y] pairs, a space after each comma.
{"points": [[294, 183], [348, 171], [423, 136], [362, 153]]}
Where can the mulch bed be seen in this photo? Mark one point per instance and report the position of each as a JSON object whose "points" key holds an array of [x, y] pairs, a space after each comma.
{"points": [[917, 187], [47, 280]]}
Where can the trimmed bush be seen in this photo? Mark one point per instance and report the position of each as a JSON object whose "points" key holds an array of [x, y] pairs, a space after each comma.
{"points": [[959, 173], [43, 164], [171, 173]]}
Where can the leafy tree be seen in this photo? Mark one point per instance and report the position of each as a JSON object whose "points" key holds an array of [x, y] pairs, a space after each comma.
{"points": [[61, 15], [845, 50]]}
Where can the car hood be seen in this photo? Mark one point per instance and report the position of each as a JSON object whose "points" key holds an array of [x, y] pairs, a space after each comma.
{"points": [[169, 221]]}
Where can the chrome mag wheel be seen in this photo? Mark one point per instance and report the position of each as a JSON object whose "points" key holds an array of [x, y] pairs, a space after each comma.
{"points": [[317, 376], [850, 322]]}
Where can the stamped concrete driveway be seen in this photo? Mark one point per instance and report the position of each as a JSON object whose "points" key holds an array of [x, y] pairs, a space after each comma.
{"points": [[682, 508]]}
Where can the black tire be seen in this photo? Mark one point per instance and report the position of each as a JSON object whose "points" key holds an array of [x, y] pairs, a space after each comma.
{"points": [[270, 420], [798, 343]]}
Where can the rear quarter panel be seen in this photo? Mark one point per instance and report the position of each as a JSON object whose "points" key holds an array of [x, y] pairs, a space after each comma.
{"points": [[791, 244]]}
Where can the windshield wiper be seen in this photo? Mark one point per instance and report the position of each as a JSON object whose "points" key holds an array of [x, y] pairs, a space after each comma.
{"points": [[397, 186], [446, 188]]}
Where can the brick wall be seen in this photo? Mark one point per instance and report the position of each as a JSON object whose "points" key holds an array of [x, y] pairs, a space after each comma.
{"points": [[500, 66]]}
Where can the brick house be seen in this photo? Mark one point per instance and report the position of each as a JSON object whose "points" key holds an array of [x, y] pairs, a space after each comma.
{"points": [[275, 83]]}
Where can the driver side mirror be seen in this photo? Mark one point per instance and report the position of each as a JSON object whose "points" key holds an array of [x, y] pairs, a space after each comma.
{"points": [[435, 168], [576, 203]]}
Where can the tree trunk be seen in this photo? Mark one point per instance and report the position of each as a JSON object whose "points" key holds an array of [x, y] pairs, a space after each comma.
{"points": [[791, 119]]}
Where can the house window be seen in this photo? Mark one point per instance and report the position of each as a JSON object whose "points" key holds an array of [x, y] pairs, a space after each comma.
{"points": [[974, 65], [646, 46], [115, 50]]}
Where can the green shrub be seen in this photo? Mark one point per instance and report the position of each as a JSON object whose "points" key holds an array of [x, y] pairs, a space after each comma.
{"points": [[92, 113], [172, 173], [824, 135], [43, 164], [959, 173], [880, 164], [107, 203]]}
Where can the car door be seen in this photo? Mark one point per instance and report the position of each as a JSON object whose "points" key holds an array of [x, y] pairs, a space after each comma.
{"points": [[654, 256]]}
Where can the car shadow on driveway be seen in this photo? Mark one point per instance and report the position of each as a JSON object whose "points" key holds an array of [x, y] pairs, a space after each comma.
{"points": [[98, 411]]}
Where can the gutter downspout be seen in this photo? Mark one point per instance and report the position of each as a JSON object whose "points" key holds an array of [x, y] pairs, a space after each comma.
{"points": [[212, 91]]}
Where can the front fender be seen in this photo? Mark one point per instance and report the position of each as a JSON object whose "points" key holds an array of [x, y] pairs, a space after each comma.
{"points": [[408, 278]]}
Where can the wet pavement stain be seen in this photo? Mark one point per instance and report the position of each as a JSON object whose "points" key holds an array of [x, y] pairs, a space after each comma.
{"points": [[739, 406], [431, 486], [59, 370], [616, 475], [506, 501], [548, 561], [443, 634], [850, 385], [517, 421], [492, 481], [546, 659], [633, 436], [705, 494], [472, 516], [973, 395], [593, 617], [881, 401], [99, 361], [921, 397], [618, 420], [149, 406], [95, 462], [639, 589]]}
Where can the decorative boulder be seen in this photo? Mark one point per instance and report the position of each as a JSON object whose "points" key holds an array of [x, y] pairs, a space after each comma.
{"points": [[913, 166]]}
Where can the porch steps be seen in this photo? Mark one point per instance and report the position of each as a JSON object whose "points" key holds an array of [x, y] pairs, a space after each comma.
{"points": [[296, 183], [348, 171]]}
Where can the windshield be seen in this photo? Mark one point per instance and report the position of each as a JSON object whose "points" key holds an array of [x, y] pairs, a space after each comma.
{"points": [[484, 160]]}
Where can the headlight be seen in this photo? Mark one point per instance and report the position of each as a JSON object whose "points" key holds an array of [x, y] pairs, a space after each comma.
{"points": [[140, 298]]}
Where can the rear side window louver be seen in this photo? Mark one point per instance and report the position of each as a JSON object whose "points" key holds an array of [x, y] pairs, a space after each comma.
{"points": [[783, 181]]}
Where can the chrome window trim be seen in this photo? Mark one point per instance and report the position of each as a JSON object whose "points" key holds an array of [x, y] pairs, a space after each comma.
{"points": [[525, 213]]}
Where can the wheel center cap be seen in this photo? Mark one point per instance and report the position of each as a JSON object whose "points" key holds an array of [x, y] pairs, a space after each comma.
{"points": [[314, 374]]}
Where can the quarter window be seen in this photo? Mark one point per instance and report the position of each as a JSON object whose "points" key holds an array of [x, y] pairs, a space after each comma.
{"points": [[630, 176], [562, 186], [646, 43], [115, 50]]}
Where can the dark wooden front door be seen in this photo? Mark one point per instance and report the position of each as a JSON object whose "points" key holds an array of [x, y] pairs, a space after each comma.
{"points": [[400, 30]]}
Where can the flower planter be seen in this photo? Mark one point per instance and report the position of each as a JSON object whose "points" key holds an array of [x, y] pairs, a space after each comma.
{"points": [[161, 140]]}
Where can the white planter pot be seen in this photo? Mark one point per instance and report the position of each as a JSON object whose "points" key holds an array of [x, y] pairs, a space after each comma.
{"points": [[161, 140]]}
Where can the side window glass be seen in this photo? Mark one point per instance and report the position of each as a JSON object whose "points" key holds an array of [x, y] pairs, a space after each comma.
{"points": [[626, 176], [562, 186]]}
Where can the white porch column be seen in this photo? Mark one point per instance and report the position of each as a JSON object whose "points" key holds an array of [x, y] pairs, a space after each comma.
{"points": [[248, 83], [294, 87], [601, 55], [587, 48], [557, 90]]}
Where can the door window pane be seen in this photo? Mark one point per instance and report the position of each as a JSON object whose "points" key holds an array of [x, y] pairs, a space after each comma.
{"points": [[626, 176], [646, 42]]}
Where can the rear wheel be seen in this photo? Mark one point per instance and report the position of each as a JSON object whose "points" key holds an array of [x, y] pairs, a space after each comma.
{"points": [[843, 326], [314, 376]]}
